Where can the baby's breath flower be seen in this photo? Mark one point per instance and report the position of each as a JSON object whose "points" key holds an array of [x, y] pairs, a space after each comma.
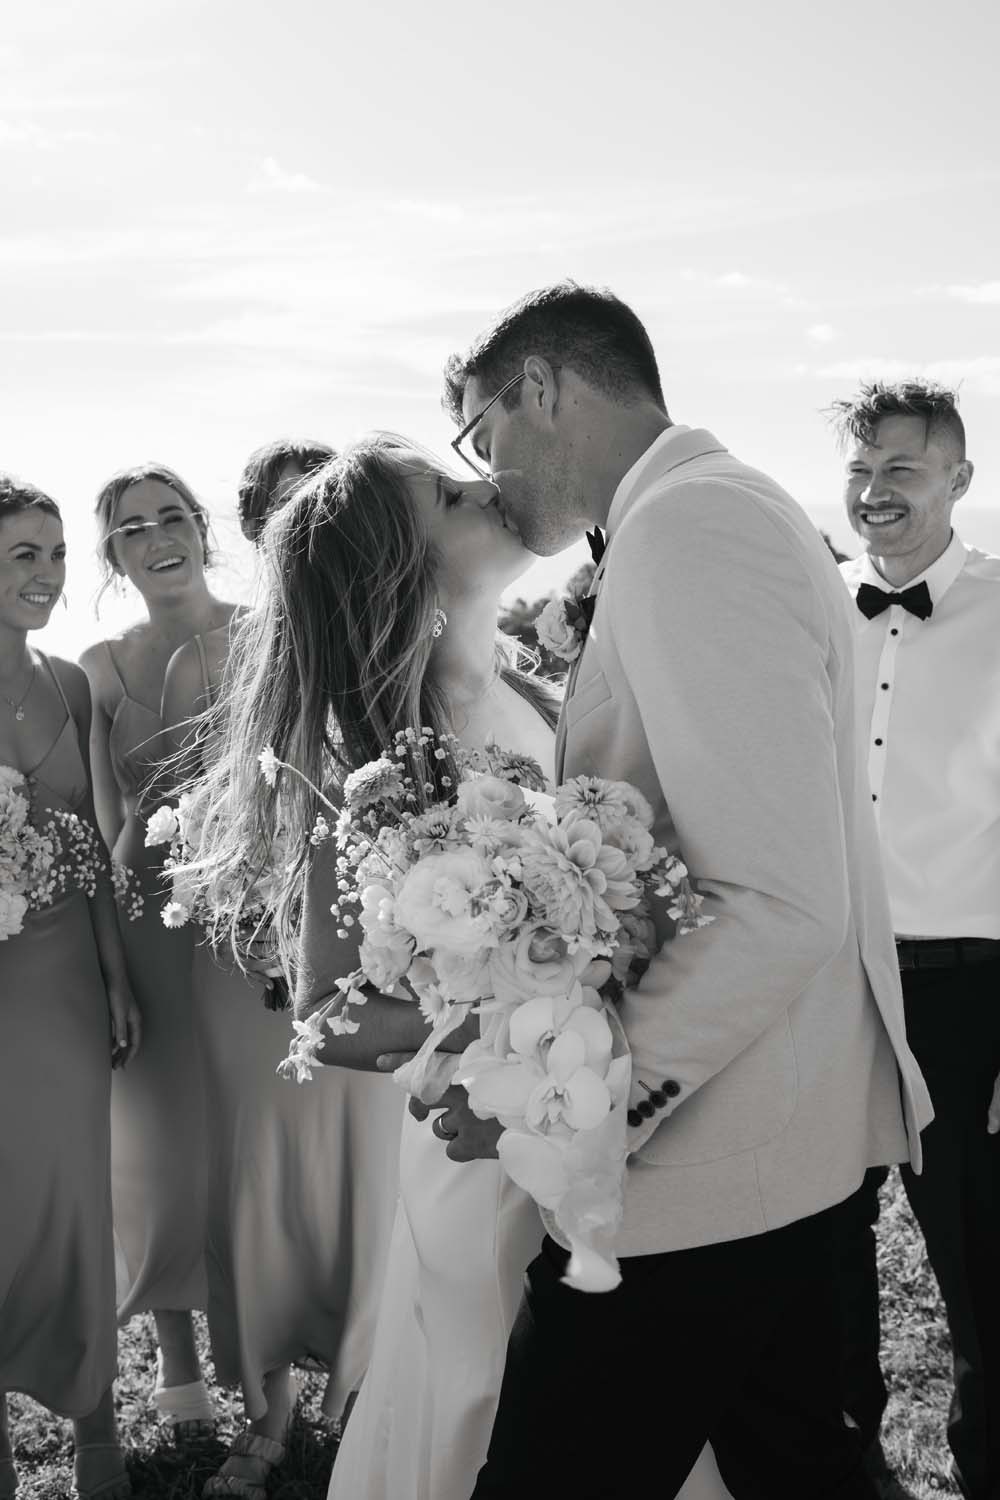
{"points": [[270, 765]]}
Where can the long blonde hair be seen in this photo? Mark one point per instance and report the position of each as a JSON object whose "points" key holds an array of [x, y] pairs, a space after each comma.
{"points": [[327, 670]]}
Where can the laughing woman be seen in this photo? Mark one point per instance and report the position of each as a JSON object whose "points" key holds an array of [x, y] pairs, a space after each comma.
{"points": [[67, 1018], [153, 532]]}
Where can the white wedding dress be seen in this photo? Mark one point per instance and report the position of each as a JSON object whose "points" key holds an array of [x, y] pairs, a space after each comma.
{"points": [[462, 1240]]}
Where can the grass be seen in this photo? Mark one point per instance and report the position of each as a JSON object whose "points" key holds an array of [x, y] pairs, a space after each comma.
{"points": [[915, 1355]]}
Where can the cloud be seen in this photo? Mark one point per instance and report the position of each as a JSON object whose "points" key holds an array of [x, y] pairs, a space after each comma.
{"points": [[740, 281], [985, 291], [271, 178], [822, 333], [48, 138], [980, 372]]}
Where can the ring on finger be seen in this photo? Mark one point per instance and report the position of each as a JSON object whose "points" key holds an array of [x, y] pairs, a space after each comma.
{"points": [[441, 1131]]}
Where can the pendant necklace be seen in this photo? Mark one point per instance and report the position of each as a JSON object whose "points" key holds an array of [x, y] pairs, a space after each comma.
{"points": [[19, 707]]}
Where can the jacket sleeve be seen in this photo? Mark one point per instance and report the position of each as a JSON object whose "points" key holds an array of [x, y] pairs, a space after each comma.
{"points": [[723, 640]]}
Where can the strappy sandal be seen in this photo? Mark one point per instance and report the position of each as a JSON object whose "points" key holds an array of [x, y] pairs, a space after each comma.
{"points": [[115, 1487], [8, 1479], [245, 1471]]}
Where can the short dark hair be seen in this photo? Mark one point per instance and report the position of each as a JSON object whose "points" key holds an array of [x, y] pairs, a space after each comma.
{"points": [[856, 418], [17, 495], [587, 329], [255, 496]]}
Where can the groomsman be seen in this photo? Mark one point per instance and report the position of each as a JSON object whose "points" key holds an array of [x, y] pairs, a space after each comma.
{"points": [[928, 680]]}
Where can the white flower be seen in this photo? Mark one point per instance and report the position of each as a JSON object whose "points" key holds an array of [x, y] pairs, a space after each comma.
{"points": [[556, 634], [174, 914], [609, 803], [438, 903], [191, 810], [10, 778], [386, 963], [435, 829], [488, 835], [575, 881], [378, 781], [535, 961], [162, 827], [423, 980], [14, 811], [13, 908], [270, 765], [463, 977], [490, 797], [554, 1078]]}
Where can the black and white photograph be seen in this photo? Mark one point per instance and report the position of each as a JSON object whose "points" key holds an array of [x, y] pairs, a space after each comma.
{"points": [[499, 751]]}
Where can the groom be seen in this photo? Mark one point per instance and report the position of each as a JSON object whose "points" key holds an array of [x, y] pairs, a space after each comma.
{"points": [[770, 1065]]}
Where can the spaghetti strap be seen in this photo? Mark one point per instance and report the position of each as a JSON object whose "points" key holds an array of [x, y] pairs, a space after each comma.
{"points": [[205, 679], [55, 678], [114, 668]]}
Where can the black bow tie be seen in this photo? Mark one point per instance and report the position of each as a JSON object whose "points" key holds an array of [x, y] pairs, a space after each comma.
{"points": [[873, 601], [597, 544]]}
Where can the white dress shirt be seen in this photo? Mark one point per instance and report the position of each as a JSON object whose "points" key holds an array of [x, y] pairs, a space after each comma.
{"points": [[929, 698]]}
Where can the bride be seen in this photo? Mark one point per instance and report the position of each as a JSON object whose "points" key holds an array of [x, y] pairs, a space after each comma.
{"points": [[384, 581]]}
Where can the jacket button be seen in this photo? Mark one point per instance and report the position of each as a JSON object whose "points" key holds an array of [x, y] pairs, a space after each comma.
{"points": [[645, 1109], [671, 1088], [658, 1098], [634, 1118]]}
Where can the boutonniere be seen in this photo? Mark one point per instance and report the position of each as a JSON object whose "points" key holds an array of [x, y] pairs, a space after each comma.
{"points": [[563, 624]]}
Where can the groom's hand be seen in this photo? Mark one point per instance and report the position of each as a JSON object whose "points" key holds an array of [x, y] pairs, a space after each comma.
{"points": [[468, 1137]]}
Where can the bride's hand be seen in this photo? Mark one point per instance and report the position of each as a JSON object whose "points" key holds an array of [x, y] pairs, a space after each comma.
{"points": [[126, 1023]]}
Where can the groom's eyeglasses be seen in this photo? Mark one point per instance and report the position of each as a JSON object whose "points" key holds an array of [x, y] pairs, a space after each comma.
{"points": [[456, 443]]}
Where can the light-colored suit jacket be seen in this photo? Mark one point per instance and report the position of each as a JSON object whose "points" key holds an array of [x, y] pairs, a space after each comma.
{"points": [[717, 677]]}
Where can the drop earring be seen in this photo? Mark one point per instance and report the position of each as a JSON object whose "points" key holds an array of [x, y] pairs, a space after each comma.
{"points": [[440, 621]]}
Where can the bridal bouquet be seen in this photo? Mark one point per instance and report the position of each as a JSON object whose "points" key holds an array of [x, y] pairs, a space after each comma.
{"points": [[40, 864], [476, 891]]}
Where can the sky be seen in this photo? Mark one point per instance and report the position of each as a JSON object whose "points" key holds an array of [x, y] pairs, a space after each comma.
{"points": [[224, 222]]}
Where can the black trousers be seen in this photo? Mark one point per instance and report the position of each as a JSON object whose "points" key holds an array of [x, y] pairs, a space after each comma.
{"points": [[610, 1395], [953, 1026]]}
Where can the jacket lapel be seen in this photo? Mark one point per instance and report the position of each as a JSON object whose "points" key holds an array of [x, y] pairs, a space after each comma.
{"points": [[681, 445]]}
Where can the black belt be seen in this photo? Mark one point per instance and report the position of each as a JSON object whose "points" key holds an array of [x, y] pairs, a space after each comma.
{"points": [[945, 953]]}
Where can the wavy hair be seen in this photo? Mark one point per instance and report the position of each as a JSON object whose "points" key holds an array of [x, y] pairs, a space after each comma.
{"points": [[327, 670], [107, 503]]}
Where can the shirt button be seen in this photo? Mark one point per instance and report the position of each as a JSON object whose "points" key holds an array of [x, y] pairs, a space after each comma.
{"points": [[874, 798], [894, 631], [878, 742], [885, 687]]}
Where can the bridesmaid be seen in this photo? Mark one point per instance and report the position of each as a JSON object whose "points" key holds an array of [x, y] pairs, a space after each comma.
{"points": [[67, 1018], [295, 1254], [153, 532]]}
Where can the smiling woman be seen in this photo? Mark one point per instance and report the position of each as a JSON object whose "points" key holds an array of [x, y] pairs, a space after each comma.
{"points": [[153, 531], [66, 1001]]}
